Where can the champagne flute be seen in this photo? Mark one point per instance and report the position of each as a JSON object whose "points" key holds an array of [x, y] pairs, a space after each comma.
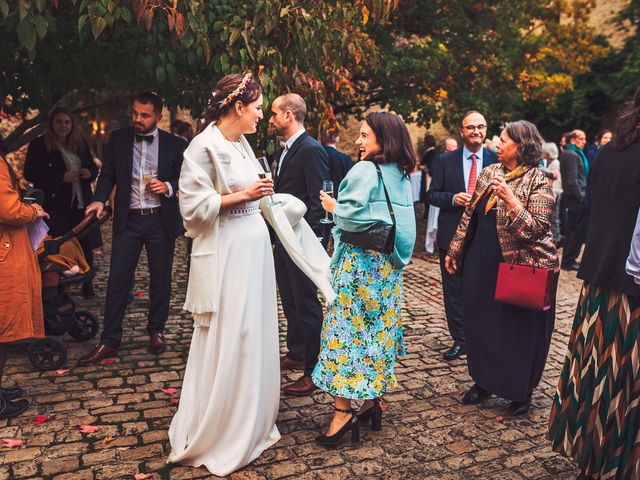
{"points": [[266, 173], [327, 187]]}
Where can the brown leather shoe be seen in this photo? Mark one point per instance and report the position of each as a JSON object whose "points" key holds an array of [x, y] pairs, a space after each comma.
{"points": [[287, 363], [302, 386], [157, 344], [100, 352]]}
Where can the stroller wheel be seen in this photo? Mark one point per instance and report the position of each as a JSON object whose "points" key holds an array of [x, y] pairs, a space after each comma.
{"points": [[49, 353], [85, 326]]}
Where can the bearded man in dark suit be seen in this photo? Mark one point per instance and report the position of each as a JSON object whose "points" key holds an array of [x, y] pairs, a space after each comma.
{"points": [[143, 163], [299, 169]]}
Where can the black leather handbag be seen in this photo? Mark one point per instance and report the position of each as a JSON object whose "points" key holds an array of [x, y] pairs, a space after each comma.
{"points": [[380, 236]]}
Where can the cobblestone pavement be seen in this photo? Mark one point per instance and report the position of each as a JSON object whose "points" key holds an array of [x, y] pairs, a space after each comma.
{"points": [[427, 433]]}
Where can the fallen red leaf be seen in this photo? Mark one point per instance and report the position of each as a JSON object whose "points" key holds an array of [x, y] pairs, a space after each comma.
{"points": [[175, 401], [40, 419], [500, 419], [137, 293], [434, 283], [109, 360], [384, 406], [107, 440], [89, 428], [142, 476], [62, 372], [169, 390], [12, 443]]}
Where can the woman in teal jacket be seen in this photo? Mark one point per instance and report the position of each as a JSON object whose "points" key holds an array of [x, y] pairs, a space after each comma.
{"points": [[361, 335]]}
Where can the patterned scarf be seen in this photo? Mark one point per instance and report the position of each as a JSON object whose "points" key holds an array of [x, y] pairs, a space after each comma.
{"points": [[517, 172]]}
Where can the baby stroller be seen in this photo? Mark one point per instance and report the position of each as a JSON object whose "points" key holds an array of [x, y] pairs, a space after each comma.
{"points": [[60, 314]]}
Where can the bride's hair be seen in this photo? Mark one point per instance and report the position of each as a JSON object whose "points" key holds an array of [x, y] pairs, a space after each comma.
{"points": [[229, 90]]}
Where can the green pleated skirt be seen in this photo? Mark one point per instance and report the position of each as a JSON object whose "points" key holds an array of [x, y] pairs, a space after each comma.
{"points": [[595, 417]]}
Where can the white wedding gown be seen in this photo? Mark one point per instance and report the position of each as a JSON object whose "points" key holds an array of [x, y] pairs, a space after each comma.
{"points": [[231, 390]]}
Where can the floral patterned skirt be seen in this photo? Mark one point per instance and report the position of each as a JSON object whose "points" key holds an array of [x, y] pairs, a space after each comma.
{"points": [[361, 334]]}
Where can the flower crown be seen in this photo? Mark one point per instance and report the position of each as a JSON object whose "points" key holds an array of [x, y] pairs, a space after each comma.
{"points": [[240, 89]]}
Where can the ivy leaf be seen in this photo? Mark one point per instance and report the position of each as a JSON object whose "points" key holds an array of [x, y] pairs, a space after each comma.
{"points": [[97, 26], [161, 74], [40, 419], [169, 390], [27, 35], [89, 428], [4, 8], [12, 443]]}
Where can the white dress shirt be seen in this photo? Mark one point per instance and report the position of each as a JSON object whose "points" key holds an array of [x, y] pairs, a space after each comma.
{"points": [[145, 161], [466, 164], [287, 145]]}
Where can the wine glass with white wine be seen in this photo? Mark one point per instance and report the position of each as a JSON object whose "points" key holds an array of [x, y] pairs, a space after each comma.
{"points": [[327, 187], [266, 173]]}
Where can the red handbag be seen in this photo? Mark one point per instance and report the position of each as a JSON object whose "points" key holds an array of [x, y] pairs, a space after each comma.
{"points": [[524, 286]]}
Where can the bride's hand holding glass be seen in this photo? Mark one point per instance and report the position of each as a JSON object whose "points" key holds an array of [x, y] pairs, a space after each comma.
{"points": [[259, 189]]}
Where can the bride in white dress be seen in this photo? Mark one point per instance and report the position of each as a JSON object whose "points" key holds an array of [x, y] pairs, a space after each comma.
{"points": [[231, 390]]}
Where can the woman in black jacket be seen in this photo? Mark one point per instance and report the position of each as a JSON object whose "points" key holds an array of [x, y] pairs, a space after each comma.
{"points": [[595, 417], [61, 165]]}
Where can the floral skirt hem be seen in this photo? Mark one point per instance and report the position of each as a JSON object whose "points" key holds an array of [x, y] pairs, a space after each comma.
{"points": [[361, 334]]}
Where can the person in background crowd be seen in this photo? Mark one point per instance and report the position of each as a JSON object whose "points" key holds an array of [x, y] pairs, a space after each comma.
{"points": [[594, 416], [143, 163], [362, 334], [450, 144], [300, 168], [574, 171], [511, 209], [182, 129], [553, 165], [453, 181], [339, 163], [564, 140], [426, 164], [60, 163], [602, 138], [20, 284]]}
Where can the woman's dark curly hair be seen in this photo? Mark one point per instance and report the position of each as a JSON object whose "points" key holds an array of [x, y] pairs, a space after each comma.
{"points": [[394, 140], [628, 128], [529, 141], [229, 90]]}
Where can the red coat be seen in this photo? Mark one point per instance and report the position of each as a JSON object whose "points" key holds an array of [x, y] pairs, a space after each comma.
{"points": [[20, 283]]}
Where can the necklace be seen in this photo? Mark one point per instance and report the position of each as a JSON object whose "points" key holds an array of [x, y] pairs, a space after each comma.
{"points": [[233, 144]]}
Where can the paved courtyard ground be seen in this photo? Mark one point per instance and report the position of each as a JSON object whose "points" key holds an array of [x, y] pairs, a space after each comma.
{"points": [[427, 433]]}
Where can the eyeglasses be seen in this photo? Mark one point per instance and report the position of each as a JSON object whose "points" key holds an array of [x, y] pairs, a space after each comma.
{"points": [[471, 128]]}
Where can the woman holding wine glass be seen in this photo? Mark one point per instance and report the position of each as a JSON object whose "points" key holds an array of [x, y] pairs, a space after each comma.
{"points": [[231, 389], [361, 334]]}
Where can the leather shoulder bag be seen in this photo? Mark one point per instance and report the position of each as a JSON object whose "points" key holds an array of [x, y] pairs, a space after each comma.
{"points": [[380, 236]]}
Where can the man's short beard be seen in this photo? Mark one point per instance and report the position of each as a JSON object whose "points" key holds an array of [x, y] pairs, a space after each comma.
{"points": [[143, 131]]}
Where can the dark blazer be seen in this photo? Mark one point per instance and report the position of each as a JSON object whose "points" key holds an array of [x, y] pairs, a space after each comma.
{"points": [[447, 179], [117, 171], [46, 171], [574, 178], [339, 164], [305, 166], [615, 199]]}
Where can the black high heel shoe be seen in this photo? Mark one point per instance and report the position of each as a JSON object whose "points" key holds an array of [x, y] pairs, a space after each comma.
{"points": [[375, 414], [352, 425]]}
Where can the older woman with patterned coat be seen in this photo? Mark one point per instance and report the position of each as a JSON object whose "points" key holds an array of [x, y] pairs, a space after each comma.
{"points": [[507, 220]]}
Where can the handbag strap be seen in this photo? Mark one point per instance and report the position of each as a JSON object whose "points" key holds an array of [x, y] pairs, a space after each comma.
{"points": [[393, 216]]}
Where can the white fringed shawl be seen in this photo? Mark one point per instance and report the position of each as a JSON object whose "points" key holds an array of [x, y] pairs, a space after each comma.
{"points": [[203, 181]]}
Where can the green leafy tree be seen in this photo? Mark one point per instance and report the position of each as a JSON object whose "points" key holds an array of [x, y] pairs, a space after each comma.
{"points": [[82, 53]]}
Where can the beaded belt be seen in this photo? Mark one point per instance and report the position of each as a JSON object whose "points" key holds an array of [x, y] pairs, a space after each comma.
{"points": [[249, 208]]}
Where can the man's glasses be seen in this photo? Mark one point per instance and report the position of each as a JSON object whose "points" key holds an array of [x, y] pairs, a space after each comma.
{"points": [[471, 128]]}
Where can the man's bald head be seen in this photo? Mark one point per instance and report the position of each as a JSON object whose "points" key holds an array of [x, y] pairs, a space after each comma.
{"points": [[294, 103]]}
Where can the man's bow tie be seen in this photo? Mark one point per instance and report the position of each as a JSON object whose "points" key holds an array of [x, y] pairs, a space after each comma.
{"points": [[146, 138]]}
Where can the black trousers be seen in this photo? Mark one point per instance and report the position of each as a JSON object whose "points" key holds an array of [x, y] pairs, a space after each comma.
{"points": [[147, 231], [302, 310], [453, 301], [576, 229]]}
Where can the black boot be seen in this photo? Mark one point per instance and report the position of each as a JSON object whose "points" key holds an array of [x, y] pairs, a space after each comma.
{"points": [[333, 440], [519, 408], [11, 393], [10, 409]]}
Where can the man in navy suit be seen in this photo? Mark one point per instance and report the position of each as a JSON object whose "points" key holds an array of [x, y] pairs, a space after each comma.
{"points": [[299, 169], [339, 163], [453, 180]]}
